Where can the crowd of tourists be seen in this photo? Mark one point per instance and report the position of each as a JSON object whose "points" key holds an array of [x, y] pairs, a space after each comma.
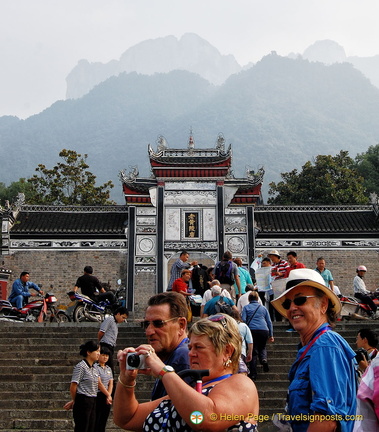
{"points": [[206, 373]]}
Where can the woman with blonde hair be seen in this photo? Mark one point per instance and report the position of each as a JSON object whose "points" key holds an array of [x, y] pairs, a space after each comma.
{"points": [[227, 399]]}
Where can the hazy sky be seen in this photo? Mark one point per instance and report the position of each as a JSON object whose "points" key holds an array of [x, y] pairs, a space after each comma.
{"points": [[42, 40]]}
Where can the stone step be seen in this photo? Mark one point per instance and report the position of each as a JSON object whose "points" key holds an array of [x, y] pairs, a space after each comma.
{"points": [[44, 350], [36, 351], [37, 423], [41, 424], [264, 385], [272, 404], [46, 410], [267, 393]]}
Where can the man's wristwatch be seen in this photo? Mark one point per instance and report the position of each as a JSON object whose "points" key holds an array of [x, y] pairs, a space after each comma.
{"points": [[165, 370]]}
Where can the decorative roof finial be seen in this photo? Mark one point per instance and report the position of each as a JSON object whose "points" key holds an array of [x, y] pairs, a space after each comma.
{"points": [[131, 176], [374, 198], [191, 142], [162, 143], [20, 200], [220, 143]]}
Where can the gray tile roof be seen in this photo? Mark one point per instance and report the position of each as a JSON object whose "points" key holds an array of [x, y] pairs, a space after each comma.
{"points": [[77, 222], [300, 221]]}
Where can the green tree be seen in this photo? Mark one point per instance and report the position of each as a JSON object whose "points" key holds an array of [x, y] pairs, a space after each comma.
{"points": [[328, 180], [9, 193], [68, 183], [368, 168]]}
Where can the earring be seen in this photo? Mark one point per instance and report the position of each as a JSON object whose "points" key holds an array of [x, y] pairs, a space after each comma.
{"points": [[227, 363]]}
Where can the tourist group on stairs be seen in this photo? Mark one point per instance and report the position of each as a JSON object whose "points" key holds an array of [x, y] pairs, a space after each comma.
{"points": [[206, 373]]}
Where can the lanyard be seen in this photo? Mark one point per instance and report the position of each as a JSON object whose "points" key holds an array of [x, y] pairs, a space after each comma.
{"points": [[315, 336], [218, 379]]}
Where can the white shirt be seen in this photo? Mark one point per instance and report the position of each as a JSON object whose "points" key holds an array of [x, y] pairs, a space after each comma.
{"points": [[244, 300], [360, 286], [208, 295]]}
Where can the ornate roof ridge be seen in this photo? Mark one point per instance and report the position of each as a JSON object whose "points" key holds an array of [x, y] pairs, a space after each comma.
{"points": [[314, 208], [74, 209], [164, 151], [193, 153], [252, 178]]}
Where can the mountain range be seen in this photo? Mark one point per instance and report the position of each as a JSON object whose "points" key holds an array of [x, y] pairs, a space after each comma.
{"points": [[162, 55], [194, 54], [278, 113]]}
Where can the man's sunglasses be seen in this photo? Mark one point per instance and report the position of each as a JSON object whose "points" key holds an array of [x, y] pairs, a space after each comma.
{"points": [[298, 301], [156, 323]]}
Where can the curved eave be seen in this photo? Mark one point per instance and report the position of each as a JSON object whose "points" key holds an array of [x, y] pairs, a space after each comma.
{"points": [[190, 173], [191, 161], [137, 199], [135, 189]]}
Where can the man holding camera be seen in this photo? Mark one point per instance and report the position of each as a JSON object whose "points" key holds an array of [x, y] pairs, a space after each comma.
{"points": [[165, 327]]}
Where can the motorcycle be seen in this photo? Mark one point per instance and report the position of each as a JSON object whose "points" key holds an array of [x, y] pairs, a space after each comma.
{"points": [[120, 294], [87, 309], [352, 308], [40, 310]]}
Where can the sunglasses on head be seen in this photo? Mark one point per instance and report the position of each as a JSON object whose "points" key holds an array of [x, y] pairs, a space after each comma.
{"points": [[298, 301], [218, 318], [156, 323]]}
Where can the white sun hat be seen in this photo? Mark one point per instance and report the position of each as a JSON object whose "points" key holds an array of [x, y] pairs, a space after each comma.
{"points": [[309, 278]]}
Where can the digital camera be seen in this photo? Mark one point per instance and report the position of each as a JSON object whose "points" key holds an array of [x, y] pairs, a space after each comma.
{"points": [[361, 354], [135, 361]]}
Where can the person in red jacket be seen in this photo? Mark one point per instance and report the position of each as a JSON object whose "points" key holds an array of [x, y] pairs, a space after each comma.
{"points": [[293, 262], [180, 285]]}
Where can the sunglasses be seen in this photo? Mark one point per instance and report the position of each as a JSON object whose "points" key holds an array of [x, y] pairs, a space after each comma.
{"points": [[298, 301], [156, 323], [218, 318]]}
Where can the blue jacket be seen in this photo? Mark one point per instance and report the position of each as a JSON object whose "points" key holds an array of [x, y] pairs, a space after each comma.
{"points": [[261, 319], [18, 288], [179, 360], [323, 382]]}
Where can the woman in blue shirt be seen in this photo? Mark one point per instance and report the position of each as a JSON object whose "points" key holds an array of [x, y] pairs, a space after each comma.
{"points": [[258, 320], [322, 390]]}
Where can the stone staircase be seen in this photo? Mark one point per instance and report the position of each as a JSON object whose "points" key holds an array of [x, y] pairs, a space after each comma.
{"points": [[37, 362]]}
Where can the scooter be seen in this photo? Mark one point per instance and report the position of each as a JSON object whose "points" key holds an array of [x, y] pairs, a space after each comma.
{"points": [[88, 310], [120, 294], [42, 309], [353, 309]]}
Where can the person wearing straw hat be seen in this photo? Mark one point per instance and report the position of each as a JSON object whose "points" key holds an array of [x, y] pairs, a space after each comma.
{"points": [[322, 390]]}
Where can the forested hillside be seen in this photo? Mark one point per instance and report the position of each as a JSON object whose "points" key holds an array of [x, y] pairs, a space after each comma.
{"points": [[279, 114]]}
